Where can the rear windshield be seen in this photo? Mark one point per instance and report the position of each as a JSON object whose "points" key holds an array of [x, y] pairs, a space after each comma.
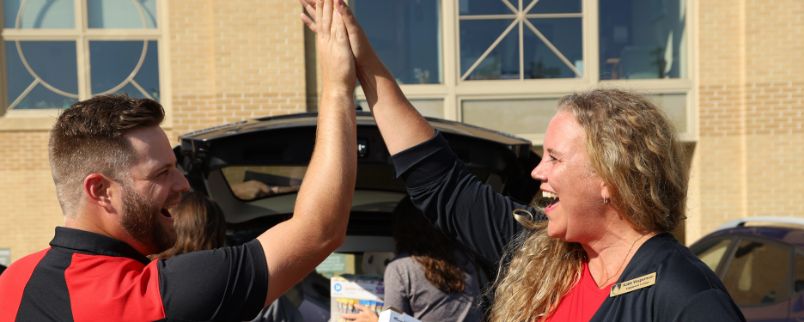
{"points": [[253, 182]]}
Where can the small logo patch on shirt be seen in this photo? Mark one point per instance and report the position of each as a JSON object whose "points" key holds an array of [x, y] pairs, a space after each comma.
{"points": [[633, 284]]}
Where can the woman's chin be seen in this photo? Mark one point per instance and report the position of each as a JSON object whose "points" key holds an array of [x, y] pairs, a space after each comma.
{"points": [[553, 231]]}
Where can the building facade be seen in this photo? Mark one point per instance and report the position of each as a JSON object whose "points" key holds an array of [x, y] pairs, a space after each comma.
{"points": [[726, 73]]}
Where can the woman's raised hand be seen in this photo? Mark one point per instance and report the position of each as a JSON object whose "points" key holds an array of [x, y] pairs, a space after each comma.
{"points": [[361, 48], [332, 44]]}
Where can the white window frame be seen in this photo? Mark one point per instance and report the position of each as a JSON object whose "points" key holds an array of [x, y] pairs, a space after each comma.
{"points": [[82, 35], [453, 90]]}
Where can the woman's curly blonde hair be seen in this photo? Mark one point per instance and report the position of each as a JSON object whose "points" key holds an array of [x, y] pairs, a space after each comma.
{"points": [[633, 148]]}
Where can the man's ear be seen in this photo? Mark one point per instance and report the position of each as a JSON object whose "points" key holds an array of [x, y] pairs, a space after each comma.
{"points": [[98, 190]]}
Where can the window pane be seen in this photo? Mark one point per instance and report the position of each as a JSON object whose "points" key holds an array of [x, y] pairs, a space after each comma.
{"points": [[674, 106], [115, 62], [122, 14], [38, 14], [759, 273], [566, 36], [556, 6], [714, 253], [406, 36], [48, 81], [503, 61], [517, 116], [486, 7], [642, 39], [427, 107]]}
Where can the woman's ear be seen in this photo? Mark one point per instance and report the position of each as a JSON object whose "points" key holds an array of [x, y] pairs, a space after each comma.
{"points": [[605, 192]]}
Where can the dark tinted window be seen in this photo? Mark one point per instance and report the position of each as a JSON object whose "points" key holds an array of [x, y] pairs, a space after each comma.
{"points": [[712, 252], [412, 51], [642, 39], [759, 273]]}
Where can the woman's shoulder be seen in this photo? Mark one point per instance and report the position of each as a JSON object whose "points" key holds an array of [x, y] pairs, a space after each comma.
{"points": [[674, 277], [677, 269]]}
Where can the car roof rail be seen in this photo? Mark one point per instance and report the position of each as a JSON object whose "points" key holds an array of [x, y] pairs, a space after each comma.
{"points": [[763, 219]]}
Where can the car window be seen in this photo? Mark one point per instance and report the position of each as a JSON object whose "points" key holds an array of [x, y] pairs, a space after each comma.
{"points": [[759, 273], [251, 182], [712, 254], [798, 283]]}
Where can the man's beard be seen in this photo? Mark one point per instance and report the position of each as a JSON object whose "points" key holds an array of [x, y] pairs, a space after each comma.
{"points": [[143, 223]]}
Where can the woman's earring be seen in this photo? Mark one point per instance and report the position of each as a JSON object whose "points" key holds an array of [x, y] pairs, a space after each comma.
{"points": [[605, 201]]}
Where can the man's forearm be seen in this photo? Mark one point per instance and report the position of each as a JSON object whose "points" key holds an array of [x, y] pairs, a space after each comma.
{"points": [[293, 248], [328, 185]]}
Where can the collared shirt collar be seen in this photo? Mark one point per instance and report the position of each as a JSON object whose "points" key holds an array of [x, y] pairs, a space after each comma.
{"points": [[91, 243]]}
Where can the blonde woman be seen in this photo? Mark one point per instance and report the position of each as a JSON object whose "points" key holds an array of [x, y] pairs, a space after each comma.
{"points": [[601, 249]]}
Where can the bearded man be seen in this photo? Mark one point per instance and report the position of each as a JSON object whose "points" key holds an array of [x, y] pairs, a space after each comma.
{"points": [[116, 179]]}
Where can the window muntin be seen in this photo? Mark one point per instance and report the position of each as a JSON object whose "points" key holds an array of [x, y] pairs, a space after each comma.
{"points": [[642, 39], [529, 40], [57, 56], [413, 50]]}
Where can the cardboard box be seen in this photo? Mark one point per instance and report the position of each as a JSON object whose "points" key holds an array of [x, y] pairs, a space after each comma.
{"points": [[347, 290], [389, 315]]}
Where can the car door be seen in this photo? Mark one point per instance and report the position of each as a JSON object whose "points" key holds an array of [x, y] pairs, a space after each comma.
{"points": [[758, 275], [797, 302]]}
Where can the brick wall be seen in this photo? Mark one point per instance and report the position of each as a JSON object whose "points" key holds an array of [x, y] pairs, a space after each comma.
{"points": [[29, 211], [749, 155], [233, 60]]}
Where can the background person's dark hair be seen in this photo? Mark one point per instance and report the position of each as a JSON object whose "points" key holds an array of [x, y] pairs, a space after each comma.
{"points": [[199, 224], [416, 236], [88, 138]]}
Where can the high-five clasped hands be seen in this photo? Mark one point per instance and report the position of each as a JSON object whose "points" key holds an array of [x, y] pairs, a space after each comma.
{"points": [[332, 44]]}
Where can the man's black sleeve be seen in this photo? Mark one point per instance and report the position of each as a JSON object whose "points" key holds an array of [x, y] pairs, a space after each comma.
{"points": [[224, 284], [455, 200]]}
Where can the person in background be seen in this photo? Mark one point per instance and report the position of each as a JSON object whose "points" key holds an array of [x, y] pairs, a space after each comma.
{"points": [[201, 225], [116, 178], [430, 278], [613, 181]]}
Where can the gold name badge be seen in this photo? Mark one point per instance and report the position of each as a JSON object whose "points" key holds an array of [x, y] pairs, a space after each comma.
{"points": [[633, 285]]}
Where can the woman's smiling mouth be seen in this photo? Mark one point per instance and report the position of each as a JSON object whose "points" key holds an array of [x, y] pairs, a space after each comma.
{"points": [[548, 200]]}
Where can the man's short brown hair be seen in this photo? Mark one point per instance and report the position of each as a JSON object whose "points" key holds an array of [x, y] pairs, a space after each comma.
{"points": [[88, 138]]}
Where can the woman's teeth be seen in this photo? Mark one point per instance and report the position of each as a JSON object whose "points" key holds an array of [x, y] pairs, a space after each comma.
{"points": [[546, 199]]}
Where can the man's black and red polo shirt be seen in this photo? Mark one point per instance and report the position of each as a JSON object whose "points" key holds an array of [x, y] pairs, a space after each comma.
{"points": [[89, 277]]}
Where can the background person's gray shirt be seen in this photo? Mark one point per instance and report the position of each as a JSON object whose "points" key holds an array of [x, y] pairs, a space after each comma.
{"points": [[407, 290]]}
